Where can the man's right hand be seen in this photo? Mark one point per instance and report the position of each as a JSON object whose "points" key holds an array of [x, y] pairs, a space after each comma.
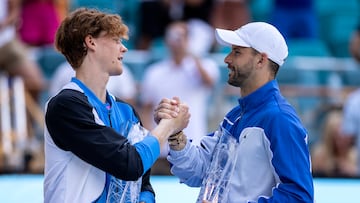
{"points": [[167, 109], [178, 119], [172, 117]]}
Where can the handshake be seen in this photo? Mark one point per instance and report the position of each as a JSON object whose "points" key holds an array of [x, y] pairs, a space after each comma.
{"points": [[176, 115]]}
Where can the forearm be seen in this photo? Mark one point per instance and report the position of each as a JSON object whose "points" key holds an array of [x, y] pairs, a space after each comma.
{"points": [[163, 130], [13, 12], [204, 75], [147, 116]]}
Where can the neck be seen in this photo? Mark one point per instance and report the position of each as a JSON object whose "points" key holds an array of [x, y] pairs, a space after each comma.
{"points": [[178, 57], [96, 84]]}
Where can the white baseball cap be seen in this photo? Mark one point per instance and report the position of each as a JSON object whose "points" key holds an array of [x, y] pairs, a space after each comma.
{"points": [[261, 36]]}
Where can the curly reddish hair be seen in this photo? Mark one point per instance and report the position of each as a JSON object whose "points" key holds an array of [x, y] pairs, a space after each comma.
{"points": [[70, 36]]}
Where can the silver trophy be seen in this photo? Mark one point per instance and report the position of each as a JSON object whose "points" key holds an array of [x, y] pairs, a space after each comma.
{"points": [[215, 184], [121, 191]]}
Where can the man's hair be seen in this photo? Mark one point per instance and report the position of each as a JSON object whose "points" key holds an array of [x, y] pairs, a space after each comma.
{"points": [[70, 36], [274, 67]]}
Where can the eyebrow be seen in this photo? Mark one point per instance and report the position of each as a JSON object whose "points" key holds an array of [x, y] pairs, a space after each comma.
{"points": [[239, 48]]}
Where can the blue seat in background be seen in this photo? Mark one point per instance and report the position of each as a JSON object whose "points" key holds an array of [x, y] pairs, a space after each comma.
{"points": [[308, 47], [339, 32], [325, 8], [49, 59], [337, 19], [261, 9], [129, 12]]}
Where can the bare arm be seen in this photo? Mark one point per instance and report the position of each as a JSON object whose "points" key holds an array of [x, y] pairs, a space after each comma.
{"points": [[13, 13], [207, 80], [147, 115]]}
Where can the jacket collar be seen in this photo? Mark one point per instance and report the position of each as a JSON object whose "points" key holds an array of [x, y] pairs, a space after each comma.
{"points": [[259, 96]]}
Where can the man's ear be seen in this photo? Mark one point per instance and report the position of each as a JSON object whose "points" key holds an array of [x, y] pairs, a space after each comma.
{"points": [[89, 42], [263, 58]]}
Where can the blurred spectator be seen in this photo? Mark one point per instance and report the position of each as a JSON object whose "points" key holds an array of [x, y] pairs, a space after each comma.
{"points": [[13, 54], [197, 14], [39, 21], [121, 86], [126, 8], [230, 14], [183, 75], [355, 44], [351, 122], [330, 157], [200, 9], [62, 8], [201, 37], [156, 15], [295, 18], [15, 61]]}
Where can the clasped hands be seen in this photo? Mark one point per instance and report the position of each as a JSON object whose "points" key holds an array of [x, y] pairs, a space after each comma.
{"points": [[170, 109]]}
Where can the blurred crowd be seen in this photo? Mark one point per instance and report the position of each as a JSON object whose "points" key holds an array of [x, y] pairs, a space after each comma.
{"points": [[178, 36]]}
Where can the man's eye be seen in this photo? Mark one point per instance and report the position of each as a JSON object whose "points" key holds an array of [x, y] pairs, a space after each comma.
{"points": [[118, 40]]}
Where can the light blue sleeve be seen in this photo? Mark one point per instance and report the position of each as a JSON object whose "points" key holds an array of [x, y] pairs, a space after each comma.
{"points": [[191, 163]]}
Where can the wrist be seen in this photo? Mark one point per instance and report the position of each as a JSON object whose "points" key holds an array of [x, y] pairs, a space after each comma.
{"points": [[177, 141], [162, 131]]}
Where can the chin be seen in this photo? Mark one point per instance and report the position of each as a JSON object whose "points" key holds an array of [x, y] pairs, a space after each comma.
{"points": [[116, 72], [119, 69]]}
